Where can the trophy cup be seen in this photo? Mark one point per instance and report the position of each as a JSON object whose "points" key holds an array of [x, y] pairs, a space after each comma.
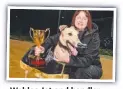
{"points": [[35, 62], [38, 37]]}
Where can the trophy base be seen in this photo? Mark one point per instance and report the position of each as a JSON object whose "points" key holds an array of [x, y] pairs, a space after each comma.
{"points": [[39, 62], [34, 62]]}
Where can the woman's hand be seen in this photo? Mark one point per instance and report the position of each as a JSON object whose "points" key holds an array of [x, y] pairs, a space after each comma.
{"points": [[39, 50], [61, 27]]}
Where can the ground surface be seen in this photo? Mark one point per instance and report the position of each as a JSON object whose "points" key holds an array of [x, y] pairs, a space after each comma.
{"points": [[18, 49]]}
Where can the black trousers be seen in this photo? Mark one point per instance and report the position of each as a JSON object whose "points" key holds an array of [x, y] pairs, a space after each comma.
{"points": [[91, 72]]}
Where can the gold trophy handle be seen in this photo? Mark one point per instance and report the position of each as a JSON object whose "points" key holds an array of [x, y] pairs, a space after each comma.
{"points": [[31, 30], [48, 29]]}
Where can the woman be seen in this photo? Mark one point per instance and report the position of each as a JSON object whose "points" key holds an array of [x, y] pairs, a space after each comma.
{"points": [[86, 65]]}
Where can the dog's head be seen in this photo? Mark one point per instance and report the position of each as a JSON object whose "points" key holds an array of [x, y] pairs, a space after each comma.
{"points": [[69, 38]]}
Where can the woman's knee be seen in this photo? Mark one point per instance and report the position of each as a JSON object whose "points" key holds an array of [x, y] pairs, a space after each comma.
{"points": [[92, 72], [96, 72]]}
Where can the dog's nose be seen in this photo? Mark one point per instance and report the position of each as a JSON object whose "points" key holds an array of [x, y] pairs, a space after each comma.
{"points": [[81, 45]]}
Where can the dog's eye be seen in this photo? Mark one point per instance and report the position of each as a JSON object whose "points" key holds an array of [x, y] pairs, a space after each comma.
{"points": [[70, 34]]}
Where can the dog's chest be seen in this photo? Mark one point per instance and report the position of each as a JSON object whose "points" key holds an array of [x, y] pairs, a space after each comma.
{"points": [[61, 53]]}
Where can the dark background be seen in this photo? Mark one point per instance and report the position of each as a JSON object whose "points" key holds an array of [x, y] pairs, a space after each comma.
{"points": [[22, 19]]}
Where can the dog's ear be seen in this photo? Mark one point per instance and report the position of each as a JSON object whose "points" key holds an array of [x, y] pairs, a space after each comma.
{"points": [[62, 27], [72, 27]]}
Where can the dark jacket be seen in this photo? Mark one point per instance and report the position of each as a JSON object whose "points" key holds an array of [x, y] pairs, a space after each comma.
{"points": [[85, 58], [90, 55]]}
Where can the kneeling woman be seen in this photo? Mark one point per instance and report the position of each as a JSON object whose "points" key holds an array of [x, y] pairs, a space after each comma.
{"points": [[86, 65]]}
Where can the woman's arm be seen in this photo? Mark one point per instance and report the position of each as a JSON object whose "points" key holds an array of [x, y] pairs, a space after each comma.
{"points": [[90, 54], [51, 41]]}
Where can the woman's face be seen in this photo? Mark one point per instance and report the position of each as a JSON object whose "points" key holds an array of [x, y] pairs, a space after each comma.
{"points": [[81, 21]]}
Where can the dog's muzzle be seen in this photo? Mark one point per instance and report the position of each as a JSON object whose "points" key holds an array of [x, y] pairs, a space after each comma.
{"points": [[81, 45]]}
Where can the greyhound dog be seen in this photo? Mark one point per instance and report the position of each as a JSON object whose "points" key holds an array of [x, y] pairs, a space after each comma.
{"points": [[68, 42]]}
